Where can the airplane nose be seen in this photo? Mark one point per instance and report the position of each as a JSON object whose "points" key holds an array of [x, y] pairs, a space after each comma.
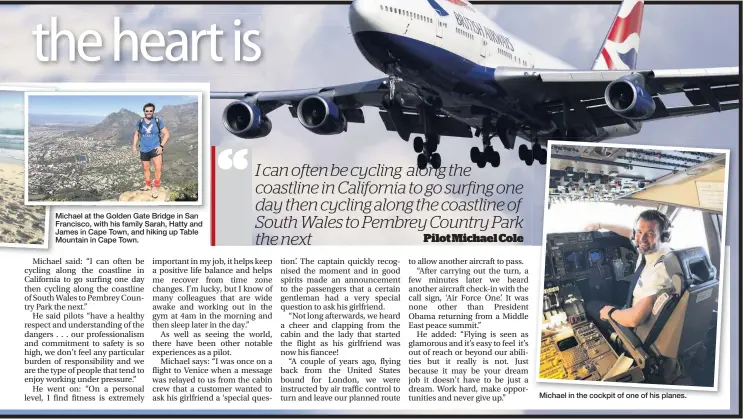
{"points": [[361, 15]]}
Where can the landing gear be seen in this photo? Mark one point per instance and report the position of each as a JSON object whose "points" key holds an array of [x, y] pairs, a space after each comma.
{"points": [[430, 145], [526, 155], [506, 130], [487, 155], [427, 149], [393, 105], [540, 154], [537, 152]]}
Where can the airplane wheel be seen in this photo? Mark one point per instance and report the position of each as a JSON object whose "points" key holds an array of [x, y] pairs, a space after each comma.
{"points": [[529, 160], [495, 159], [418, 144], [432, 146], [536, 150], [436, 160], [490, 155], [542, 157], [524, 152], [474, 154], [481, 162], [539, 153], [488, 152], [422, 162]]}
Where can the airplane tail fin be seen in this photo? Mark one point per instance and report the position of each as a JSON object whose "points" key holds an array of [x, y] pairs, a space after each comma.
{"points": [[622, 44]]}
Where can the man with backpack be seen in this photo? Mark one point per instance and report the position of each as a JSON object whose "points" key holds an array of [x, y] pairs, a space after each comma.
{"points": [[152, 136]]}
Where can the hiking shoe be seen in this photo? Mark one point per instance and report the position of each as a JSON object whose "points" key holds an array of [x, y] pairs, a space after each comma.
{"points": [[154, 192]]}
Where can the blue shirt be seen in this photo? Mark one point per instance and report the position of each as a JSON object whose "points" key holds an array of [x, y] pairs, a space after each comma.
{"points": [[149, 136]]}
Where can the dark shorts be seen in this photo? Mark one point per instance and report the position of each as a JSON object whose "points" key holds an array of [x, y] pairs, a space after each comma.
{"points": [[148, 155]]}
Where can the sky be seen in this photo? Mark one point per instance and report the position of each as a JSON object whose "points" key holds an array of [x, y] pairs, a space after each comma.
{"points": [[99, 105], [309, 46], [11, 110]]}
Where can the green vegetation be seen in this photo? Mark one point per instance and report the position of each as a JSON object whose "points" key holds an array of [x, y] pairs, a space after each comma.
{"points": [[188, 192]]}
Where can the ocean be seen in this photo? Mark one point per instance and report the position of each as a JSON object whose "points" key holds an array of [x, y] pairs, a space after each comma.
{"points": [[11, 139], [11, 145]]}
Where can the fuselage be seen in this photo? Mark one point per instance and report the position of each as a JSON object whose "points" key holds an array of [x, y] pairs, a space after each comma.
{"points": [[447, 48], [439, 39]]}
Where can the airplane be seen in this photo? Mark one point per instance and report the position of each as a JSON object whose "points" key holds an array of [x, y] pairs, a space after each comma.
{"points": [[450, 70]]}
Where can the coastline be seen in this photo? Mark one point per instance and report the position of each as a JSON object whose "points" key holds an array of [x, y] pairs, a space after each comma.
{"points": [[19, 223], [12, 156]]}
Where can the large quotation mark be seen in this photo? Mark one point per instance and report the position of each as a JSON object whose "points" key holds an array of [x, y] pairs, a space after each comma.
{"points": [[239, 160]]}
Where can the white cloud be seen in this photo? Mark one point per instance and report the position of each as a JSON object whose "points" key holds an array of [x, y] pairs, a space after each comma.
{"points": [[491, 12], [586, 24]]}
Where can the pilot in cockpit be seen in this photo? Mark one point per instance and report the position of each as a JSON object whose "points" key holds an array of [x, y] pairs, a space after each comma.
{"points": [[650, 236]]}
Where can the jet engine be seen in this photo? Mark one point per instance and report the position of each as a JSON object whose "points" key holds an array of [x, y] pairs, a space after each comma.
{"points": [[627, 97], [321, 116], [246, 120]]}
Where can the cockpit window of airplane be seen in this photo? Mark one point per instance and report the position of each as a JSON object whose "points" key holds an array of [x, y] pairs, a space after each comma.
{"points": [[573, 216], [689, 225]]}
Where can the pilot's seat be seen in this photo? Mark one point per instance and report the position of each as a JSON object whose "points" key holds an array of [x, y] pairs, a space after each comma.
{"points": [[681, 318]]}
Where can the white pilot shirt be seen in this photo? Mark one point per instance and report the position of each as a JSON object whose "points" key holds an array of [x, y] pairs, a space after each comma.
{"points": [[654, 276]]}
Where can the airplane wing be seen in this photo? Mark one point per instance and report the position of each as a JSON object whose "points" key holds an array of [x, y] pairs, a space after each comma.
{"points": [[570, 98], [581, 92], [346, 96], [349, 98]]}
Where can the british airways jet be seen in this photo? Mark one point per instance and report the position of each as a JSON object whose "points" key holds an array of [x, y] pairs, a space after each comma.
{"points": [[451, 70]]}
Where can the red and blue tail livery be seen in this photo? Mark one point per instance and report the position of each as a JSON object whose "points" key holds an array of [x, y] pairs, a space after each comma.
{"points": [[622, 44]]}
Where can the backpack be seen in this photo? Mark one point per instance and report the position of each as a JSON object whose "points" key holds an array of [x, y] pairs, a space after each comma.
{"points": [[141, 121]]}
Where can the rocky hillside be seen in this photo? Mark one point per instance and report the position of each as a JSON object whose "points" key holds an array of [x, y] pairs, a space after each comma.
{"points": [[181, 120], [163, 195]]}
